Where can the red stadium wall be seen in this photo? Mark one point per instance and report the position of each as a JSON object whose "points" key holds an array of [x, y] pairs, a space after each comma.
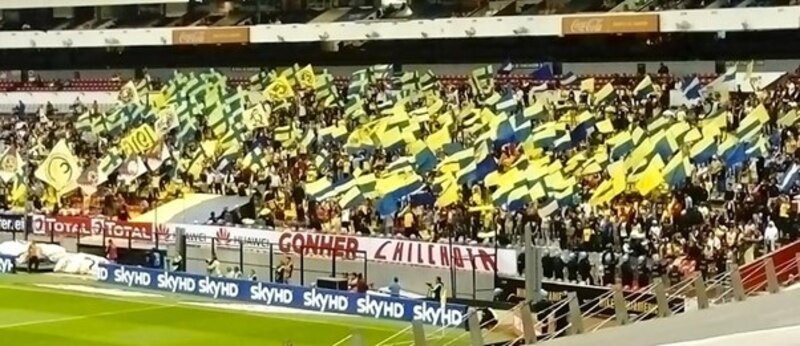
{"points": [[754, 277]]}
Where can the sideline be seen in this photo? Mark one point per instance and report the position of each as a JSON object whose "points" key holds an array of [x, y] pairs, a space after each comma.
{"points": [[83, 317], [183, 305]]}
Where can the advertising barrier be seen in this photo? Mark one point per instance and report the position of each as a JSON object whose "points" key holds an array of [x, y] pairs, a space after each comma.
{"points": [[609, 24], [8, 264], [298, 297], [14, 223], [398, 251], [72, 226], [210, 36]]}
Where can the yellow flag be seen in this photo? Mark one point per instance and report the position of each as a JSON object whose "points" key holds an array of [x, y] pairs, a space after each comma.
{"points": [[279, 90], [651, 178], [587, 85], [605, 126], [438, 139], [449, 196], [60, 169], [306, 78], [139, 140]]}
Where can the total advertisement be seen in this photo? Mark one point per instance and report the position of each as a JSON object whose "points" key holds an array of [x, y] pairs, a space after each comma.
{"points": [[398, 251], [8, 264], [298, 297], [73, 226]]}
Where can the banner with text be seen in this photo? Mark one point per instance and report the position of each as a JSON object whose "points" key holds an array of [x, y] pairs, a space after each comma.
{"points": [[12, 223], [297, 297], [610, 24], [72, 226], [398, 251], [222, 35]]}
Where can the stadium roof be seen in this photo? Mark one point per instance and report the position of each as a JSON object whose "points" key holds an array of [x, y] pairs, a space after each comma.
{"points": [[25, 4]]}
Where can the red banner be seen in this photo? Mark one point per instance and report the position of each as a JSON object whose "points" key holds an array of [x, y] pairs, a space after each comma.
{"points": [[753, 275], [71, 226]]}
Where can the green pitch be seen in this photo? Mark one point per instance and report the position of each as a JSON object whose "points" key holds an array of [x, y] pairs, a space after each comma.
{"points": [[31, 315]]}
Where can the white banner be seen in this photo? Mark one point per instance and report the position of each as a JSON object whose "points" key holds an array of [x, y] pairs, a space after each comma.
{"points": [[397, 251]]}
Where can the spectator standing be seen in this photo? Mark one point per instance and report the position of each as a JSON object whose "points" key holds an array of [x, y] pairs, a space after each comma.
{"points": [[361, 284], [177, 262], [284, 271], [394, 288], [212, 267], [436, 289], [111, 251], [33, 257]]}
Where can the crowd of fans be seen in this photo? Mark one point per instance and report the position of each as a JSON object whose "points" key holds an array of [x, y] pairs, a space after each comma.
{"points": [[719, 215]]}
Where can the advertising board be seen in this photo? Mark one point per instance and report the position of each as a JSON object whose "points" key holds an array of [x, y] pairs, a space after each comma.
{"points": [[609, 24], [72, 226], [211, 36], [12, 223], [390, 250], [298, 297], [8, 264]]}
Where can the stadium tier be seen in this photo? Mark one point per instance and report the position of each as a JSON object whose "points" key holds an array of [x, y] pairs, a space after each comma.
{"points": [[586, 163], [391, 172]]}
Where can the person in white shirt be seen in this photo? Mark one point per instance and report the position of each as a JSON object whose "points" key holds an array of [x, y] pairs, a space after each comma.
{"points": [[771, 237], [212, 267], [346, 220]]}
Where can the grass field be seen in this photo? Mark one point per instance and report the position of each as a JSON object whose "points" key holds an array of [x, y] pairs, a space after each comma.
{"points": [[32, 315]]}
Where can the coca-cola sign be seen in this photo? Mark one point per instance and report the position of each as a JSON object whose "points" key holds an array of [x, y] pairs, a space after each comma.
{"points": [[72, 226], [610, 24], [210, 36]]}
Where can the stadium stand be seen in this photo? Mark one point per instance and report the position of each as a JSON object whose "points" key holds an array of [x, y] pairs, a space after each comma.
{"points": [[304, 122], [607, 166]]}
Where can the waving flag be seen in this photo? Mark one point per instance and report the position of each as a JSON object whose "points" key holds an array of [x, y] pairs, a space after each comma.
{"points": [[691, 88], [568, 78], [604, 95], [702, 151], [305, 77], [587, 85], [644, 88], [60, 169], [790, 177], [280, 89], [543, 72], [724, 82], [10, 164], [506, 67]]}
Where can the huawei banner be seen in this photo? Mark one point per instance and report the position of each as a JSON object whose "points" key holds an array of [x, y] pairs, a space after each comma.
{"points": [[389, 250], [610, 24], [229, 35]]}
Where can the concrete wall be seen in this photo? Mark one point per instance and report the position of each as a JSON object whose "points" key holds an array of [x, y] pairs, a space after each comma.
{"points": [[676, 67]]}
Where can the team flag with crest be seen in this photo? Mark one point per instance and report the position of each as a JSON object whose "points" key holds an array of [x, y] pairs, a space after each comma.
{"points": [[60, 169], [280, 89], [10, 164]]}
